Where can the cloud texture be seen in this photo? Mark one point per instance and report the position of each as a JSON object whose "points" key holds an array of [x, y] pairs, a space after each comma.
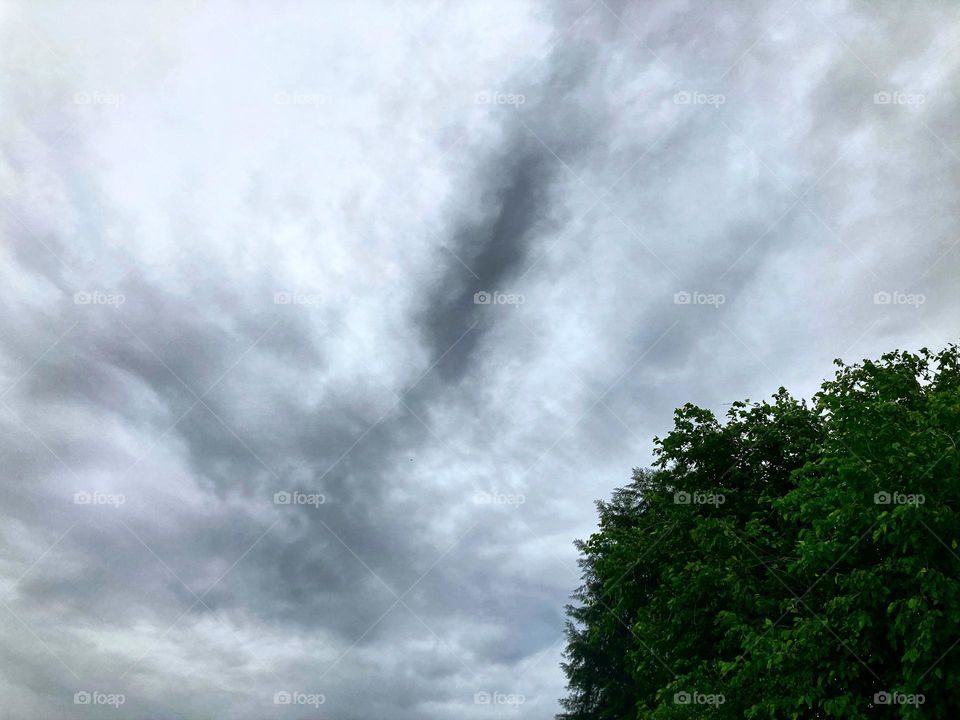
{"points": [[325, 324]]}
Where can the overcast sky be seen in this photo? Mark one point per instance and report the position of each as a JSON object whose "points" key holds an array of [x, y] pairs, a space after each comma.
{"points": [[324, 324]]}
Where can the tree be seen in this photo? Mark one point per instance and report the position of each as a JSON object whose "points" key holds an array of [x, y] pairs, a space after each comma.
{"points": [[798, 560]]}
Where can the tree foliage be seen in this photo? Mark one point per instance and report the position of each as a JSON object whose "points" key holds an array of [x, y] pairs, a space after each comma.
{"points": [[799, 560]]}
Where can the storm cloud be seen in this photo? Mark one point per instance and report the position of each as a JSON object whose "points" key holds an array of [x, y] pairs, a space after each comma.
{"points": [[326, 324]]}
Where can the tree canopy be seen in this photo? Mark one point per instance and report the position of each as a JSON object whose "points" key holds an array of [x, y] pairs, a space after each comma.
{"points": [[797, 560]]}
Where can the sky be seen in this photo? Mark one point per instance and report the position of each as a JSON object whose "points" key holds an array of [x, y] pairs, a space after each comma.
{"points": [[325, 324]]}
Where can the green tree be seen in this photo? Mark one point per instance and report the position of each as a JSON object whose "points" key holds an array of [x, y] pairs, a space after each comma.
{"points": [[798, 560]]}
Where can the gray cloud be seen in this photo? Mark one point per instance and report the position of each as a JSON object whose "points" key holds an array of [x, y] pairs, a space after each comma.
{"points": [[298, 208]]}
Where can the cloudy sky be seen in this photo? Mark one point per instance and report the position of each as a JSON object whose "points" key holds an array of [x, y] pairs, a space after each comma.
{"points": [[326, 323]]}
